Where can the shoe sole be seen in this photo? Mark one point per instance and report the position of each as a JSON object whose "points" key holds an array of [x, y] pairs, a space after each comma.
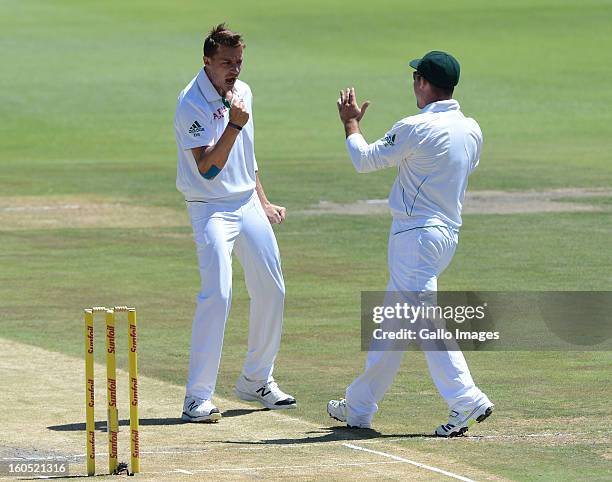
{"points": [[481, 418], [344, 421], [247, 397], [212, 418]]}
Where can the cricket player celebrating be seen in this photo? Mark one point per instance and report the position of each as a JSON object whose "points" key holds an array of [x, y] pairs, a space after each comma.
{"points": [[229, 211], [434, 152]]}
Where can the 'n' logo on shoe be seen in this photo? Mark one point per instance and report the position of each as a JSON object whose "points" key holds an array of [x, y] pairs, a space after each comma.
{"points": [[263, 392]]}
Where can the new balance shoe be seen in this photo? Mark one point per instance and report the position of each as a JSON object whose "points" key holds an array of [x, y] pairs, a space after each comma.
{"points": [[460, 421], [337, 410], [199, 410], [265, 392]]}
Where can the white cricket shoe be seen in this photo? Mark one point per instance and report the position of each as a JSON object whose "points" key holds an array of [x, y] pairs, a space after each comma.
{"points": [[460, 421], [265, 392], [337, 410], [199, 410]]}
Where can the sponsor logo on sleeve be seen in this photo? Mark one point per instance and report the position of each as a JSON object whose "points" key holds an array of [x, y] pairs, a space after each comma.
{"points": [[195, 129], [389, 140]]}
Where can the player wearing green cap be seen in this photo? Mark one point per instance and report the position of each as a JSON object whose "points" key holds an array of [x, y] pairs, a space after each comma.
{"points": [[434, 151]]}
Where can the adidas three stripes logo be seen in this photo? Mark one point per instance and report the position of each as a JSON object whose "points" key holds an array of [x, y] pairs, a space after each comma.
{"points": [[196, 128]]}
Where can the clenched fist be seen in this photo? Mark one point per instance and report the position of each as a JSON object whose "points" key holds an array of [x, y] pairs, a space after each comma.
{"points": [[238, 113], [275, 214]]}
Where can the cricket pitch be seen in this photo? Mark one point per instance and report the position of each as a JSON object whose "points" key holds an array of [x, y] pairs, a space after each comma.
{"points": [[44, 413]]}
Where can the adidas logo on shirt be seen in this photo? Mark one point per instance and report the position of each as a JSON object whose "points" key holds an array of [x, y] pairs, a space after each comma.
{"points": [[389, 140], [195, 129]]}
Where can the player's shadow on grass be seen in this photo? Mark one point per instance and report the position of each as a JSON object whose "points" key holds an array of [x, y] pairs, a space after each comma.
{"points": [[101, 424], [330, 434]]}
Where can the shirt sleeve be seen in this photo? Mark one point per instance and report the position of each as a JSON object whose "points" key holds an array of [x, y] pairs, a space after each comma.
{"points": [[476, 136], [478, 150], [193, 127], [397, 144]]}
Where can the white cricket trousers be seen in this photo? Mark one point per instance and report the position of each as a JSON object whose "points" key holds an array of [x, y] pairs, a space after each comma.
{"points": [[417, 256], [219, 229]]}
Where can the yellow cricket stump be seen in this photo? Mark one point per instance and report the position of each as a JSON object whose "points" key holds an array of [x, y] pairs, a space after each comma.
{"points": [[133, 368], [90, 424], [111, 392], [111, 388]]}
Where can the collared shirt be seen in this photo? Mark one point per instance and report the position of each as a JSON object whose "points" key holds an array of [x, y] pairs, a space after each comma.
{"points": [[201, 118], [435, 151]]}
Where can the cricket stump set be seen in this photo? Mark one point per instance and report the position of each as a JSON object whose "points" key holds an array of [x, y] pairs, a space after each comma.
{"points": [[111, 389]]}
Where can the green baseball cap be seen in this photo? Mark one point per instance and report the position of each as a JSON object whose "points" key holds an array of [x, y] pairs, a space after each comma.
{"points": [[439, 68]]}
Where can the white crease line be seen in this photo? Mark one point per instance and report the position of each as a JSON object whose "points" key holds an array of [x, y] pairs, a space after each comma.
{"points": [[306, 444], [151, 452], [411, 462], [280, 467], [143, 452], [268, 467], [183, 471], [40, 208]]}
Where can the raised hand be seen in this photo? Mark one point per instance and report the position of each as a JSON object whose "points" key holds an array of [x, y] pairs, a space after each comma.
{"points": [[348, 108]]}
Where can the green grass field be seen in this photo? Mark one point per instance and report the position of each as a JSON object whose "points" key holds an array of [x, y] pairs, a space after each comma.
{"points": [[87, 98]]}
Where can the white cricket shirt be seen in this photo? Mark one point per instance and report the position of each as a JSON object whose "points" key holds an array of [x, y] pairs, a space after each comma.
{"points": [[200, 119], [435, 152]]}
